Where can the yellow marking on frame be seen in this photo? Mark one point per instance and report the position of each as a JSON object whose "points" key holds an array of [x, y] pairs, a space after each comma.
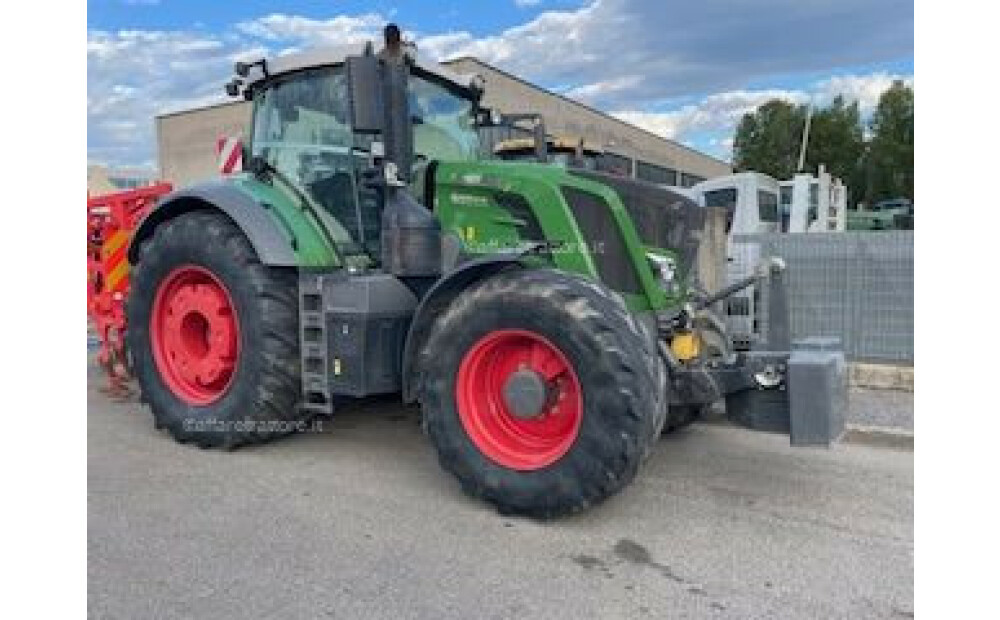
{"points": [[117, 274], [685, 345], [470, 233], [116, 241]]}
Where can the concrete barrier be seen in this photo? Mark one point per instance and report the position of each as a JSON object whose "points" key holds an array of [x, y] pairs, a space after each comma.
{"points": [[880, 376]]}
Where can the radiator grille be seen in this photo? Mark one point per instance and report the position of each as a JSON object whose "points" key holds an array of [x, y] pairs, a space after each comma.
{"points": [[663, 218], [604, 238]]}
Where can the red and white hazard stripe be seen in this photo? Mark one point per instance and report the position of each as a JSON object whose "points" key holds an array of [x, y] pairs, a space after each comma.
{"points": [[230, 152]]}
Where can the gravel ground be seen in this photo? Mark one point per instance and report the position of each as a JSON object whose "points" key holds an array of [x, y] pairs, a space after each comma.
{"points": [[892, 409], [359, 521]]}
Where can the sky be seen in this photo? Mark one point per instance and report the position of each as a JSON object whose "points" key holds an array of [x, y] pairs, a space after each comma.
{"points": [[684, 70]]}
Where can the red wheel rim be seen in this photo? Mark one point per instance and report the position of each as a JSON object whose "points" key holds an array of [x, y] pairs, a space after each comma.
{"points": [[195, 335], [505, 438]]}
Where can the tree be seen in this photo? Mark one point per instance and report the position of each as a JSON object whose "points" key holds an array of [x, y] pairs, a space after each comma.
{"points": [[889, 165], [837, 141], [767, 140]]}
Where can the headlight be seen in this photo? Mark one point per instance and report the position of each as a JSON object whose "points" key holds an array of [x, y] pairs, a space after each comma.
{"points": [[665, 268]]}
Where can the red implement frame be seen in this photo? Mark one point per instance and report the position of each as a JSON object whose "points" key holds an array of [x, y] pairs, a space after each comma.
{"points": [[111, 220]]}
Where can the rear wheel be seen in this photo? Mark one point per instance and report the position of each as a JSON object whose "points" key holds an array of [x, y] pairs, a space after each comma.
{"points": [[537, 392], [213, 335]]}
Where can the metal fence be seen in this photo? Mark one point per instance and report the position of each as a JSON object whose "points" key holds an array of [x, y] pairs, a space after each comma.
{"points": [[857, 286]]}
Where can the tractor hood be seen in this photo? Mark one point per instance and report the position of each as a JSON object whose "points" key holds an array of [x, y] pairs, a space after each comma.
{"points": [[663, 218]]}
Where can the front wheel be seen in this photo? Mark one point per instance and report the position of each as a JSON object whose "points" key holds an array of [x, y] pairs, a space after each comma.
{"points": [[538, 392]]}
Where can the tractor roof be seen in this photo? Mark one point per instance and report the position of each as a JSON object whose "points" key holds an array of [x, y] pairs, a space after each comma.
{"points": [[336, 55]]}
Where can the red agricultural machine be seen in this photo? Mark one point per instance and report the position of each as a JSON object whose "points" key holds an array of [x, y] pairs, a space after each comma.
{"points": [[111, 220]]}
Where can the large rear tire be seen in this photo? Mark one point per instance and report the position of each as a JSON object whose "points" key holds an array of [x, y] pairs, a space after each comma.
{"points": [[214, 335], [575, 442]]}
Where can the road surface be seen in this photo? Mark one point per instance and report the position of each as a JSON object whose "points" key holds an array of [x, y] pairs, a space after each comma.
{"points": [[359, 521]]}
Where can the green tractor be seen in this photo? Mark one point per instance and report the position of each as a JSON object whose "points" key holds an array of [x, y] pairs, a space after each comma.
{"points": [[538, 315]]}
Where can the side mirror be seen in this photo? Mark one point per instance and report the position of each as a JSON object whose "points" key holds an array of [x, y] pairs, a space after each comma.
{"points": [[363, 93], [233, 88]]}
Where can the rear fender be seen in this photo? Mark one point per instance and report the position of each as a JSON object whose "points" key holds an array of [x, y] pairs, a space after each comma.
{"points": [[272, 244]]}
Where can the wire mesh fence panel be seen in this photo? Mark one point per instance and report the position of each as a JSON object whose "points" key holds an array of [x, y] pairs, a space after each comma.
{"points": [[854, 286], [885, 297]]}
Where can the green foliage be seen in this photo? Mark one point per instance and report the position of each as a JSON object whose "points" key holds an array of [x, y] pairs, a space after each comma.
{"points": [[768, 140], [836, 140], [889, 164]]}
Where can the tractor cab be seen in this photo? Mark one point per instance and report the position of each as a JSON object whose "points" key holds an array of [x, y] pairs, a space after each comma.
{"points": [[326, 122]]}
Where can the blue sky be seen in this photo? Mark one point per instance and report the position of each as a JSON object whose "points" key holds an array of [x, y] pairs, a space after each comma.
{"points": [[684, 70]]}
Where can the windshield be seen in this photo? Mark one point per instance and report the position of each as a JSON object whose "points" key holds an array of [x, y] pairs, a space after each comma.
{"points": [[443, 126]]}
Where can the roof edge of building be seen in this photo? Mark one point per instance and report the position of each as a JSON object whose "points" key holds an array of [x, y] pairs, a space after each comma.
{"points": [[585, 106], [200, 108]]}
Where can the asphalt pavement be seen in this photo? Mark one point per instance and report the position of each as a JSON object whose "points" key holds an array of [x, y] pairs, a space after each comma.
{"points": [[357, 520]]}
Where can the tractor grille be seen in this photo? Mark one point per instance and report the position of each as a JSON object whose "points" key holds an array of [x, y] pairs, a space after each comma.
{"points": [[663, 218], [604, 238]]}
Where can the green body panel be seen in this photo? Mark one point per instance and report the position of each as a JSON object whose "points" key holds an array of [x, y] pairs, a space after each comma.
{"points": [[310, 240], [466, 204]]}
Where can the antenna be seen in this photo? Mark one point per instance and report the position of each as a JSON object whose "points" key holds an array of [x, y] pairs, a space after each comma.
{"points": [[805, 138]]}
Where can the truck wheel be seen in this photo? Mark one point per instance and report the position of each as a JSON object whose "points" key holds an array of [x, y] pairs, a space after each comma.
{"points": [[214, 335], [536, 393]]}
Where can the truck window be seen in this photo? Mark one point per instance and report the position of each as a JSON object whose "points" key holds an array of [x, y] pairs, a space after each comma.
{"points": [[767, 205], [725, 198]]}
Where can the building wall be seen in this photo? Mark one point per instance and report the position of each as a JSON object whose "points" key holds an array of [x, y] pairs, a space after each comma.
{"points": [[564, 116], [187, 140], [103, 180]]}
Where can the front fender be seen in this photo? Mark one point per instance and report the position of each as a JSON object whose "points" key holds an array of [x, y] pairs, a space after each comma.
{"points": [[438, 298]]}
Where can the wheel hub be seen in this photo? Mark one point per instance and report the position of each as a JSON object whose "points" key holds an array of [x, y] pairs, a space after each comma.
{"points": [[525, 393], [519, 399], [195, 335]]}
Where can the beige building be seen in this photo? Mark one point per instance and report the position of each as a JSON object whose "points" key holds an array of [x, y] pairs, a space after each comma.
{"points": [[103, 180], [187, 140]]}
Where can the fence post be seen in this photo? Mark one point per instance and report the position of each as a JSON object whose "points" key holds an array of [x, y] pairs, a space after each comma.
{"points": [[857, 325]]}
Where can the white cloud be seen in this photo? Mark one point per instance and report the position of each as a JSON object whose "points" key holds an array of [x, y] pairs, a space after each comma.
{"points": [[865, 89], [626, 55], [343, 29], [693, 48], [721, 112], [133, 75], [716, 112], [527, 3]]}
